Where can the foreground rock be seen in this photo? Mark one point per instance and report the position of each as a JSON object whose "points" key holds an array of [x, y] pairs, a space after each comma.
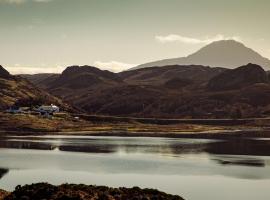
{"points": [[3, 194], [83, 192]]}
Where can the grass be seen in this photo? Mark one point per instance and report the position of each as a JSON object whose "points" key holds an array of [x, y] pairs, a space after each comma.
{"points": [[67, 124]]}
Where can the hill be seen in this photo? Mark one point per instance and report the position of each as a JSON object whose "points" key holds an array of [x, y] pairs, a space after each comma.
{"points": [[78, 83], [40, 79], [159, 76], [20, 91], [224, 53], [4, 73], [238, 78], [80, 77], [166, 92]]}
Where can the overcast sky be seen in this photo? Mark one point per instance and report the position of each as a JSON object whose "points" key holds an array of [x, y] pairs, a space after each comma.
{"points": [[48, 35]]}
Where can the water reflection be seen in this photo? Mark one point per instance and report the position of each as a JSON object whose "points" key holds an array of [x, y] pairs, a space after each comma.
{"points": [[156, 146], [108, 145], [252, 162], [240, 147], [178, 166], [141, 145]]}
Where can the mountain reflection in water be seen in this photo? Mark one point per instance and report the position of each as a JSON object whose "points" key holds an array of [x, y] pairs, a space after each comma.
{"points": [[192, 168], [131, 145]]}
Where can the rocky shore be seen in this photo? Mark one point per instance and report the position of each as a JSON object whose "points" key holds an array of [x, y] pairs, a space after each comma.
{"points": [[45, 191]]}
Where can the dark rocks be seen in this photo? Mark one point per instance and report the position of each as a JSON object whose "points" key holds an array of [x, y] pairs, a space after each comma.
{"points": [[3, 172], [83, 192], [4, 73]]}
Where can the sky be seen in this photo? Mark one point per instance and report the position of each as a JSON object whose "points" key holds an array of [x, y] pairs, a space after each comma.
{"points": [[39, 36]]}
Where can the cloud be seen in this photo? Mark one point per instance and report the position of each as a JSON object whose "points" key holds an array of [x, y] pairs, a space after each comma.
{"points": [[43, 68], [189, 40], [12, 1], [113, 66], [23, 1]]}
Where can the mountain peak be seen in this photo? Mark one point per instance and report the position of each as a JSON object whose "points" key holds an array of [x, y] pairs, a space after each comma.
{"points": [[76, 69], [78, 77], [4, 73], [84, 69], [224, 53], [224, 45], [231, 41]]}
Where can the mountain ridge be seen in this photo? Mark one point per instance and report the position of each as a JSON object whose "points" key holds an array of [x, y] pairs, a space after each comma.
{"points": [[16, 90], [4, 73], [238, 78], [223, 53], [168, 92]]}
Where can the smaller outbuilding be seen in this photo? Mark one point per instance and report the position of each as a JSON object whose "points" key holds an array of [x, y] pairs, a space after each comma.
{"points": [[48, 109]]}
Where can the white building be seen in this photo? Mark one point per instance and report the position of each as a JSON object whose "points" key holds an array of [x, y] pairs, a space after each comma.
{"points": [[48, 109]]}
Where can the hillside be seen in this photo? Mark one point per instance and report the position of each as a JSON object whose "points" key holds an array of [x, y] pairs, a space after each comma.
{"points": [[162, 75], [4, 73], [225, 53], [77, 84], [20, 91], [238, 78], [40, 79], [166, 92]]}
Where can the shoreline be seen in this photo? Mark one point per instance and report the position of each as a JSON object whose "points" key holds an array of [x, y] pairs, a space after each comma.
{"points": [[215, 134], [67, 124]]}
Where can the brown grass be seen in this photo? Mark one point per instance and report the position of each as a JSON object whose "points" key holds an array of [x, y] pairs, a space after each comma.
{"points": [[65, 123]]}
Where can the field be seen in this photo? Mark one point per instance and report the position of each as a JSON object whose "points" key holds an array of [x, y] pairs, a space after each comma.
{"points": [[64, 123]]}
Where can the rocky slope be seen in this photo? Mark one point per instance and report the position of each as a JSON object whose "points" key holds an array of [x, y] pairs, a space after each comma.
{"points": [[4, 73], [167, 92], [84, 192], [238, 78], [161, 75], [20, 91]]}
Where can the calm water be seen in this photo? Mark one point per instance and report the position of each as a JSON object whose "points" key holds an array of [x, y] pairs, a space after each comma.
{"points": [[193, 168]]}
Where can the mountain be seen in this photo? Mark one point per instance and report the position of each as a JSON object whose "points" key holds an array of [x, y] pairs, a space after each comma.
{"points": [[176, 98], [224, 53], [168, 92], [4, 73], [40, 79], [170, 74], [76, 83], [82, 76], [126, 93], [238, 78], [18, 90]]}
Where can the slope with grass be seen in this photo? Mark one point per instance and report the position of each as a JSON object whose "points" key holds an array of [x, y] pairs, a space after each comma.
{"points": [[21, 92]]}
